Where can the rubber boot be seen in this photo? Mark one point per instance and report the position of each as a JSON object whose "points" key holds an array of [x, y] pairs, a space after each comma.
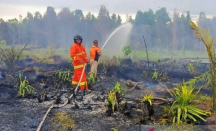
{"points": [[82, 95], [74, 93]]}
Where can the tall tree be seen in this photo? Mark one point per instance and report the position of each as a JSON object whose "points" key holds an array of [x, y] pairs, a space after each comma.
{"points": [[27, 28], [188, 17], [103, 12], [4, 31], [149, 18], [79, 14], [66, 25], [139, 18], [119, 20], [130, 19], [162, 19], [51, 27], [79, 22], [162, 16], [38, 36], [202, 18], [1, 30], [91, 32], [13, 30], [175, 25], [114, 19], [104, 24]]}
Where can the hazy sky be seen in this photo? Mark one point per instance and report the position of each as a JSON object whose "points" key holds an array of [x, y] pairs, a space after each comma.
{"points": [[12, 8]]}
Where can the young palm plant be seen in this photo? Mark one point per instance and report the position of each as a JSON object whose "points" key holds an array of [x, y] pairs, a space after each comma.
{"points": [[155, 75], [25, 88], [114, 97], [204, 36], [147, 98], [111, 100], [183, 97], [91, 79], [117, 94]]}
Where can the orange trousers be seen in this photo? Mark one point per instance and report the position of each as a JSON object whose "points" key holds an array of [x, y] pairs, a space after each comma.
{"points": [[76, 78]]}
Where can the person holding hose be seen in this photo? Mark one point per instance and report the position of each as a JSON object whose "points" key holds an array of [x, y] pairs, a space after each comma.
{"points": [[79, 58], [95, 53]]}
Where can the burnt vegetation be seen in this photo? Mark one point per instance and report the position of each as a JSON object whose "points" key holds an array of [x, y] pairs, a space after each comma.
{"points": [[140, 87]]}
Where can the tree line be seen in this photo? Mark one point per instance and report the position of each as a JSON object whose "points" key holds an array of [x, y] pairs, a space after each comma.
{"points": [[58, 29]]}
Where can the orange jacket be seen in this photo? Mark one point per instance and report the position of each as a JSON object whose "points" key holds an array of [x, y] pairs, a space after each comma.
{"points": [[78, 55], [95, 52]]}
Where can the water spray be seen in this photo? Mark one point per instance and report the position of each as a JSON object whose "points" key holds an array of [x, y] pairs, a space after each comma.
{"points": [[75, 91], [128, 24]]}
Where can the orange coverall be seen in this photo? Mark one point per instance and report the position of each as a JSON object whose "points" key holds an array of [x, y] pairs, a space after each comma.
{"points": [[94, 53], [79, 57]]}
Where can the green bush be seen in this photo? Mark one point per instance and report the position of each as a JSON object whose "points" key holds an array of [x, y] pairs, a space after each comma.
{"points": [[185, 110], [11, 56], [126, 50]]}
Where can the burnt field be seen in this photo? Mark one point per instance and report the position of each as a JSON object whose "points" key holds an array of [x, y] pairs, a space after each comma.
{"points": [[52, 83]]}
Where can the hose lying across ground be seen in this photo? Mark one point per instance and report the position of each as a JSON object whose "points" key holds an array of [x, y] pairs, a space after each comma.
{"points": [[65, 103], [62, 105]]}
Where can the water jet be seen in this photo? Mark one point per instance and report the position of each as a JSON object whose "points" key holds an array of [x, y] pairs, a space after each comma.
{"points": [[118, 38]]}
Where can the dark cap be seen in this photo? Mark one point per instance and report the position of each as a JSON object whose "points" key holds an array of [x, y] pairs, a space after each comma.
{"points": [[95, 42]]}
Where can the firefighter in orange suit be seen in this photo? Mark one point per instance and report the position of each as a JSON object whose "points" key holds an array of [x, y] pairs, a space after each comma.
{"points": [[95, 53], [79, 58]]}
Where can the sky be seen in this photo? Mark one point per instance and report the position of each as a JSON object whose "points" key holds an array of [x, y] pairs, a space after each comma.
{"points": [[13, 8]]}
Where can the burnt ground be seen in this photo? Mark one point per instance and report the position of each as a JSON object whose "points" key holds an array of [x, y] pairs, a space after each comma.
{"points": [[25, 114]]}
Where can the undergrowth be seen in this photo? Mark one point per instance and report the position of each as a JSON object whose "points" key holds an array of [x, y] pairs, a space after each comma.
{"points": [[11, 56], [183, 105], [24, 88], [114, 97], [191, 69], [91, 78], [63, 121]]}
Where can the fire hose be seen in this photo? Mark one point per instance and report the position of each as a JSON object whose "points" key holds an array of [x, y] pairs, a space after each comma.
{"points": [[62, 105], [65, 103]]}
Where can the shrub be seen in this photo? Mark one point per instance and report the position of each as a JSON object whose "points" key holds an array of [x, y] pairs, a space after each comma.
{"points": [[147, 98], [114, 97], [10, 56], [25, 89], [191, 69], [91, 78], [155, 75], [126, 50], [185, 110]]}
